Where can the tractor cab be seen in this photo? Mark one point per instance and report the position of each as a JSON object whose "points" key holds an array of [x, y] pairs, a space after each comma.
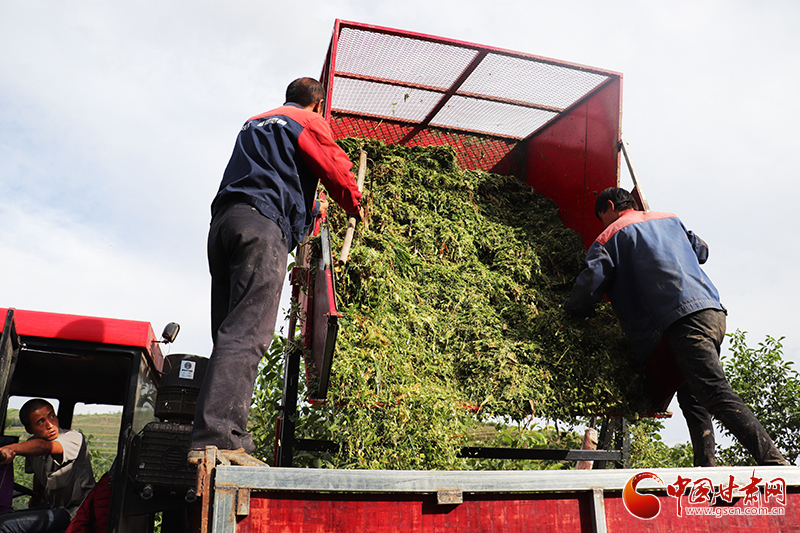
{"points": [[78, 359]]}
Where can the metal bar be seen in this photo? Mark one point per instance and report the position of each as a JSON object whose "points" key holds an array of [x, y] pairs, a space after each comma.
{"points": [[453, 129], [291, 378], [449, 497], [634, 176], [446, 98], [546, 454], [205, 488], [291, 373], [329, 68], [604, 440], [509, 101], [242, 502], [477, 96], [599, 524], [389, 81], [483, 481], [10, 346], [224, 519], [341, 24], [624, 439]]}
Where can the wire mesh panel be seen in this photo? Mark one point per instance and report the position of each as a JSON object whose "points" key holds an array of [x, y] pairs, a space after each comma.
{"points": [[367, 52], [495, 118], [383, 100], [530, 81], [429, 81]]}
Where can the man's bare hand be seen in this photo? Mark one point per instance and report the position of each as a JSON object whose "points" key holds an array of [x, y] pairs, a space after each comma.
{"points": [[6, 455]]}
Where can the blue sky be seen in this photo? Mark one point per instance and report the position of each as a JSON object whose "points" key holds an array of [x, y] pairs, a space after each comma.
{"points": [[117, 120]]}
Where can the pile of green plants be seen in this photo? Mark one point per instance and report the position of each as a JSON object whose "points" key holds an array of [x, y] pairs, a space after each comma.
{"points": [[451, 303]]}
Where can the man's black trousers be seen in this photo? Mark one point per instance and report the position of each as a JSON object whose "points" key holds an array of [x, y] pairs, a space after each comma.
{"points": [[695, 340], [247, 257]]}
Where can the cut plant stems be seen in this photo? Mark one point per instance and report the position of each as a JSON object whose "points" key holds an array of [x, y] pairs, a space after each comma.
{"points": [[451, 304]]}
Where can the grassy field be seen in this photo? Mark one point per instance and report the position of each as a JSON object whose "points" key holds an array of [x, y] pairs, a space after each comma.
{"points": [[101, 430]]}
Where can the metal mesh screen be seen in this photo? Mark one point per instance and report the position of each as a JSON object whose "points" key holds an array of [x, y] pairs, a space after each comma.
{"points": [[430, 81], [495, 118], [402, 59], [383, 100], [533, 82]]}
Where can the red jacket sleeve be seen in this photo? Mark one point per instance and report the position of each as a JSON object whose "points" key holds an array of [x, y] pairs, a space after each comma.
{"points": [[330, 164], [92, 515], [84, 517]]}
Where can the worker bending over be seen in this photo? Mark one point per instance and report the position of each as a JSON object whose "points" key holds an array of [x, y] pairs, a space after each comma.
{"points": [[649, 266]]}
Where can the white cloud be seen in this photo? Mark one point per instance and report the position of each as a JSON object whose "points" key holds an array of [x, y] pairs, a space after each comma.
{"points": [[51, 263]]}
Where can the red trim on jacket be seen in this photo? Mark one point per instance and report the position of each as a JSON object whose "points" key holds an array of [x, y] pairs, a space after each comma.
{"points": [[323, 156], [626, 219]]}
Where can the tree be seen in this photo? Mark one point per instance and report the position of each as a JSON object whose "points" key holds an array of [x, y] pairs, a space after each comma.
{"points": [[649, 451], [770, 386]]}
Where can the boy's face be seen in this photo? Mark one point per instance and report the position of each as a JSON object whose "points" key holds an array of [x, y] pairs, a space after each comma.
{"points": [[43, 424]]}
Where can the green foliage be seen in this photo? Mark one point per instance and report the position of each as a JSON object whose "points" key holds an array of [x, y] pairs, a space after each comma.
{"points": [[311, 422], [649, 451], [459, 277], [101, 459], [24, 479], [451, 321], [525, 435], [770, 386], [451, 304]]}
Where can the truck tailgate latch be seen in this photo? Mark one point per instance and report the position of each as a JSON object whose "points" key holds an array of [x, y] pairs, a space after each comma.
{"points": [[449, 497]]}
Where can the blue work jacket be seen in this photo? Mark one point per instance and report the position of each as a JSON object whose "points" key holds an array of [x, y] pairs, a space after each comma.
{"points": [[278, 160], [649, 266]]}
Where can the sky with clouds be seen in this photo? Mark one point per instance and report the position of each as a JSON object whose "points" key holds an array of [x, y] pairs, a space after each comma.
{"points": [[118, 118]]}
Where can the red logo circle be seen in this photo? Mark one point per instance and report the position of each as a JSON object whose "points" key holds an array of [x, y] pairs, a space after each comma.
{"points": [[644, 506]]}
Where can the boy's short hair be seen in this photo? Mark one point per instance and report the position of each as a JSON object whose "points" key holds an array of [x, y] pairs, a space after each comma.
{"points": [[304, 92], [621, 199], [28, 409]]}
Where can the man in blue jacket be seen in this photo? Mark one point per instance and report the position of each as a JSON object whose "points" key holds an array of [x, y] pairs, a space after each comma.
{"points": [[264, 205], [649, 266]]}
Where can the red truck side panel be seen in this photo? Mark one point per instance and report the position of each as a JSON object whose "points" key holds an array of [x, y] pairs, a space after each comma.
{"points": [[320, 512]]}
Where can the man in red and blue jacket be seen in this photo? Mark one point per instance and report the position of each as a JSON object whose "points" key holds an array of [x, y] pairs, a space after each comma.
{"points": [[649, 266], [264, 205]]}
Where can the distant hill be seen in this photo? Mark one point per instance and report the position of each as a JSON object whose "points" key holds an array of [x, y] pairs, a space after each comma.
{"points": [[104, 426]]}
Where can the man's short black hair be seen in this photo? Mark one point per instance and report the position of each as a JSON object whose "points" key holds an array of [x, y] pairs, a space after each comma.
{"points": [[30, 406], [304, 92], [621, 199]]}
